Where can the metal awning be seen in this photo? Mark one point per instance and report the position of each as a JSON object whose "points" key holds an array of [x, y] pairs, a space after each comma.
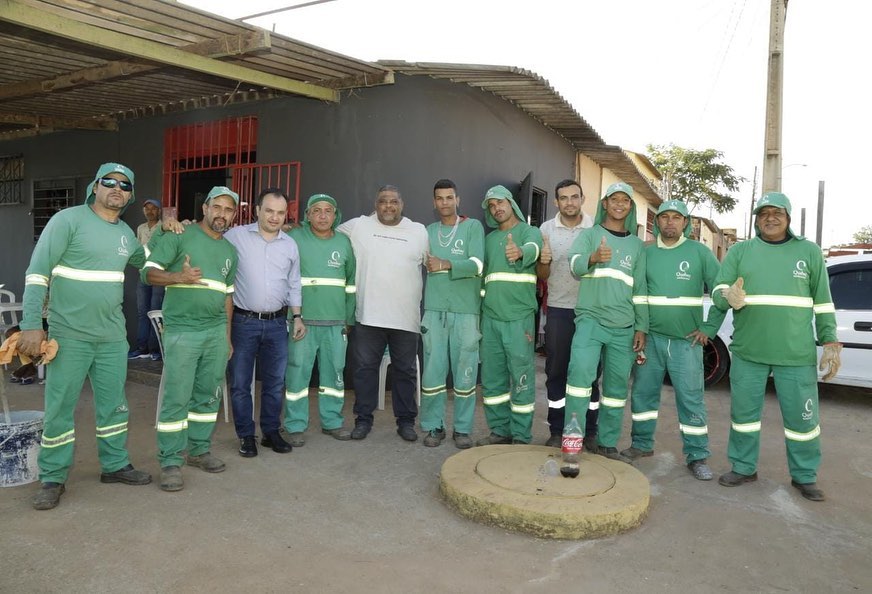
{"points": [[534, 95], [86, 64]]}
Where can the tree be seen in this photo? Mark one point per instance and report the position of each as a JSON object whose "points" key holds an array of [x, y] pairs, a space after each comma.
{"points": [[696, 177], [864, 235]]}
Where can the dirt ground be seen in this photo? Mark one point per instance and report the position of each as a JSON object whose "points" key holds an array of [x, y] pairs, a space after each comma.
{"points": [[343, 516]]}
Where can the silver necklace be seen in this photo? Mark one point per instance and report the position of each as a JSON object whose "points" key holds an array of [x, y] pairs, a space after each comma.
{"points": [[445, 240]]}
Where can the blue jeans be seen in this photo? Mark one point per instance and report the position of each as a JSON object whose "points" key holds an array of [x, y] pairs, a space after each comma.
{"points": [[147, 299], [267, 342], [369, 344]]}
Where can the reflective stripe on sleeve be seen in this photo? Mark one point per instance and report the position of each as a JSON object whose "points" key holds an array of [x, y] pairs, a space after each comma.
{"points": [[173, 426], [479, 265], [535, 246], [524, 409], [680, 301], [824, 308], [36, 279], [577, 391], [613, 402], [779, 300], [202, 417], [350, 289], [154, 265], [639, 300]]}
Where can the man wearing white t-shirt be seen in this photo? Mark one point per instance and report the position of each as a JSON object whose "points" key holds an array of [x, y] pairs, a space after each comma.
{"points": [[390, 251]]}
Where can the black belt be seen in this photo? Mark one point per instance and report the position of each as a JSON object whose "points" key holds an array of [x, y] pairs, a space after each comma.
{"points": [[282, 313]]}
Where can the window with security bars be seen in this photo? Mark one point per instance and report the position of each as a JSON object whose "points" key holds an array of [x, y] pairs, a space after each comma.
{"points": [[11, 179], [50, 197]]}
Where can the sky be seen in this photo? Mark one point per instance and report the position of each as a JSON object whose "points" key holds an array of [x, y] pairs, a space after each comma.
{"points": [[688, 72]]}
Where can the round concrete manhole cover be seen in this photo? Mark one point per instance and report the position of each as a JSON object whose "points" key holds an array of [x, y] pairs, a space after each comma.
{"points": [[519, 487]]}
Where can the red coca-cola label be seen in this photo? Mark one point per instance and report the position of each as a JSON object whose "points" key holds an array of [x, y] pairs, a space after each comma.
{"points": [[571, 444]]}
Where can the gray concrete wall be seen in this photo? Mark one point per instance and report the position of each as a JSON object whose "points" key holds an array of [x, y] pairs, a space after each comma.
{"points": [[408, 134]]}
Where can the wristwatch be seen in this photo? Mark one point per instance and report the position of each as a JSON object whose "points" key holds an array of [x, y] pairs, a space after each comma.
{"points": [[296, 316]]}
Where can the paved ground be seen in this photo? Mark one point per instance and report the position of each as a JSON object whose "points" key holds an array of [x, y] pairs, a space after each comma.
{"points": [[367, 516]]}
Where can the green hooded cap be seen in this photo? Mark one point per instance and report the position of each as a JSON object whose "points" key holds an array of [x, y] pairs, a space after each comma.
{"points": [[222, 191], [314, 199], [673, 206], [778, 200], [630, 219], [499, 193], [104, 170]]}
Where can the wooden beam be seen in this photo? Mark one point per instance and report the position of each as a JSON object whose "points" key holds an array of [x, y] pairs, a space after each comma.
{"points": [[59, 123], [21, 14], [252, 42], [361, 80]]}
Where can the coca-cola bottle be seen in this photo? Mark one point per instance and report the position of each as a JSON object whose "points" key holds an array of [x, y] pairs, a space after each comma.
{"points": [[571, 447]]}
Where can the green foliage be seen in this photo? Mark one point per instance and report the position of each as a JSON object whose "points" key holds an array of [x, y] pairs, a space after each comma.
{"points": [[697, 177], [864, 235]]}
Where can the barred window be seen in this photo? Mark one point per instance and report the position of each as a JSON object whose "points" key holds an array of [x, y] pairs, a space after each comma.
{"points": [[11, 178]]}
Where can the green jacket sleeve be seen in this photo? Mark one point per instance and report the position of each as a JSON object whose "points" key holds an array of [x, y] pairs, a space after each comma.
{"points": [[580, 252], [726, 277], [473, 265], [531, 247], [824, 310], [711, 268], [164, 251], [50, 248], [640, 293], [350, 286]]}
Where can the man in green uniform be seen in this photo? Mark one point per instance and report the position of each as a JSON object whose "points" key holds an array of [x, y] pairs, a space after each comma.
{"points": [[777, 286], [508, 370], [327, 269], [450, 328], [677, 271], [82, 252], [197, 268], [611, 315]]}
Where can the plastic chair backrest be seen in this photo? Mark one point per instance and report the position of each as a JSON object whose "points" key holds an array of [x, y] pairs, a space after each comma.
{"points": [[155, 316]]}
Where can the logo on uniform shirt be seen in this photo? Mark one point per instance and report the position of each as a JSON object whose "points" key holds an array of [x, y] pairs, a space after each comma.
{"points": [[458, 250], [122, 250], [627, 262], [801, 269], [226, 269], [682, 273], [335, 260]]}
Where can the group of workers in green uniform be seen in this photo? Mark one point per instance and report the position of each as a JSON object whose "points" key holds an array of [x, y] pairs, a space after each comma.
{"points": [[635, 303]]}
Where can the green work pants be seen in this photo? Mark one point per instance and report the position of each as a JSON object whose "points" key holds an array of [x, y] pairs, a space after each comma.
{"points": [[195, 363], [508, 376], [105, 364], [592, 340], [683, 362], [449, 339], [796, 389], [327, 344]]}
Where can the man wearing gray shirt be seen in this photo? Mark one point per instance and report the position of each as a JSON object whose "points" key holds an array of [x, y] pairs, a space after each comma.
{"points": [[557, 237], [267, 284]]}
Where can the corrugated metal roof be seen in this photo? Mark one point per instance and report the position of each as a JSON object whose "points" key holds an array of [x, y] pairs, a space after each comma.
{"points": [[534, 95], [60, 69]]}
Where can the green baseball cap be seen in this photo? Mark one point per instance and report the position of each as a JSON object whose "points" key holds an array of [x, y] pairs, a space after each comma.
{"points": [[316, 198], [104, 170], [222, 191], [673, 206], [619, 187], [496, 193], [776, 199]]}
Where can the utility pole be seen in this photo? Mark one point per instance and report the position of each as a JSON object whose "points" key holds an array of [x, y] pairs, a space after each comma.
{"points": [[774, 92], [753, 200], [820, 215]]}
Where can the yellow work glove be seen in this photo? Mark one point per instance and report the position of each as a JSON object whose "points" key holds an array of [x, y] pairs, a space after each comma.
{"points": [[831, 360], [735, 294]]}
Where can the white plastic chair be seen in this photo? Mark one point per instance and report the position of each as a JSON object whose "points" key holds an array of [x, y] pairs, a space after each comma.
{"points": [[382, 379], [156, 318], [9, 310]]}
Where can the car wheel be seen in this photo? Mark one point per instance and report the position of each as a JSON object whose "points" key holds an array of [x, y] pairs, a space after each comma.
{"points": [[715, 361]]}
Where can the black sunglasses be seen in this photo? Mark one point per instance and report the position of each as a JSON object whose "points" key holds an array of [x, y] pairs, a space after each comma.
{"points": [[108, 182]]}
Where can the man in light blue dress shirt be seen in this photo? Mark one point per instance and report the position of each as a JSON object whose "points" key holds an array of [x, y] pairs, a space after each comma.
{"points": [[267, 285]]}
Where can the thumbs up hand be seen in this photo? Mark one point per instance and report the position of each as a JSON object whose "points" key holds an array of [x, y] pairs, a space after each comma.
{"points": [[190, 275], [735, 294], [513, 252], [545, 257], [603, 253]]}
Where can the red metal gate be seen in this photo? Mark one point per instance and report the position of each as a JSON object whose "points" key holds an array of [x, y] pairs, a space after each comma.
{"points": [[249, 180]]}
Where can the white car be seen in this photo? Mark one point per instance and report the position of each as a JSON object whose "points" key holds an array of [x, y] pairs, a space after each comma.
{"points": [[851, 287]]}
